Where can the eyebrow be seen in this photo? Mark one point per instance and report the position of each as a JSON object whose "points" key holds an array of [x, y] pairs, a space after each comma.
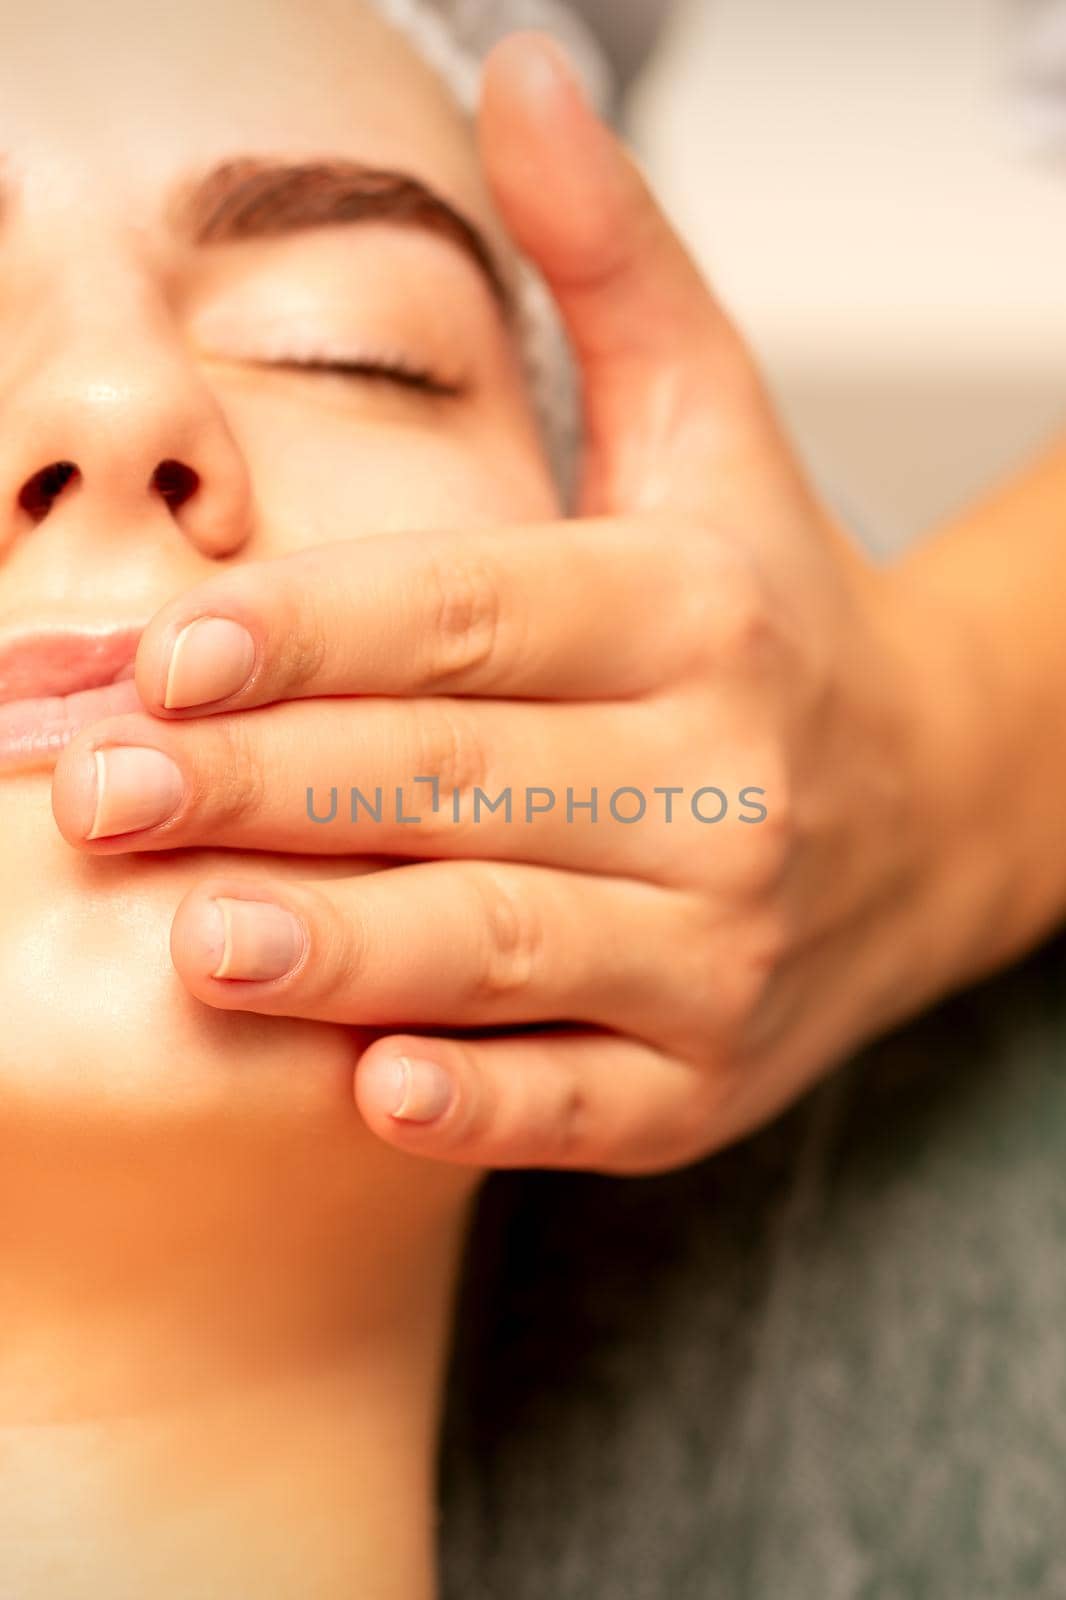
{"points": [[251, 198]]}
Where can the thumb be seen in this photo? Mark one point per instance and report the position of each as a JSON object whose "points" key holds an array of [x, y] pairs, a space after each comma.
{"points": [[668, 387]]}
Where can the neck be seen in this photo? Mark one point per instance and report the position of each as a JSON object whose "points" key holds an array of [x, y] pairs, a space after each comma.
{"points": [[227, 1386]]}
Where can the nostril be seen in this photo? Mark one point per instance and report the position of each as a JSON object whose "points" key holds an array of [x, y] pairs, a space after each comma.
{"points": [[175, 482], [44, 487]]}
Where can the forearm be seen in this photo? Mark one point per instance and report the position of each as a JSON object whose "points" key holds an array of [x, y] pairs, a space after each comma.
{"points": [[985, 594]]}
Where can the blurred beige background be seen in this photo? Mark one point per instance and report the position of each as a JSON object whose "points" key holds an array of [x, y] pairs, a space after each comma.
{"points": [[862, 182]]}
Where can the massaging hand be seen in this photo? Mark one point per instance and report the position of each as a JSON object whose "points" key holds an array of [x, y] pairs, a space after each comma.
{"points": [[700, 626]]}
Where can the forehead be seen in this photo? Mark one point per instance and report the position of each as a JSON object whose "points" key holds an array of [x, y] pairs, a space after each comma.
{"points": [[117, 100]]}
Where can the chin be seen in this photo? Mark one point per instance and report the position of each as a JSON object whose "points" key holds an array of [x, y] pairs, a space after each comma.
{"points": [[97, 1023]]}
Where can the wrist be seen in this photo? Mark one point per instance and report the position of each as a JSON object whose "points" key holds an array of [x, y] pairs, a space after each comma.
{"points": [[981, 896]]}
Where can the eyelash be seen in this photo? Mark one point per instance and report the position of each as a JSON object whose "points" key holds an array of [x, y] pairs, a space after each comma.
{"points": [[405, 374]]}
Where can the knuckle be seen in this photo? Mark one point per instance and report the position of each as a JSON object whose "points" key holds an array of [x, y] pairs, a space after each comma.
{"points": [[449, 749], [464, 609], [305, 631], [511, 936], [744, 983], [339, 948], [473, 1125], [739, 620], [763, 823], [231, 788], [574, 1125], [723, 1081], [292, 600], [725, 607], [770, 845], [652, 1138], [728, 985]]}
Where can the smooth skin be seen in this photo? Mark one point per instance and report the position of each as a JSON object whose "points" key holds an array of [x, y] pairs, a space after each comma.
{"points": [[225, 1302], [702, 620]]}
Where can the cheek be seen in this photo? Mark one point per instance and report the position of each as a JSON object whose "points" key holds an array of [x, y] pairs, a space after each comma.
{"points": [[333, 479]]}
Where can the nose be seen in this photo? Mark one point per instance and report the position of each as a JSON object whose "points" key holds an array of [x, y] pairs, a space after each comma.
{"points": [[118, 423]]}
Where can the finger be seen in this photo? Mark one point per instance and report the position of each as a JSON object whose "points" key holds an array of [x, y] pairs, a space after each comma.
{"points": [[569, 785], [592, 1101], [537, 611], [472, 944], [668, 386]]}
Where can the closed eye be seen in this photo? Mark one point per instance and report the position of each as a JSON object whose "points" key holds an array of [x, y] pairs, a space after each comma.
{"points": [[376, 371]]}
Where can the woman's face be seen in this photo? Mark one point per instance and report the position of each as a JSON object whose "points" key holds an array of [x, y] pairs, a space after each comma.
{"points": [[150, 312]]}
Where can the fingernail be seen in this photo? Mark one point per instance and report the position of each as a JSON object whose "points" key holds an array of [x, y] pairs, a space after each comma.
{"points": [[130, 787], [211, 658], [546, 70], [253, 939], [412, 1089]]}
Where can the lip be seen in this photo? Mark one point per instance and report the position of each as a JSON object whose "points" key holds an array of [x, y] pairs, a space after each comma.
{"points": [[55, 681]]}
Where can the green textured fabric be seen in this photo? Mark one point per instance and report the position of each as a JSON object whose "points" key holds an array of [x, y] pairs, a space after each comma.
{"points": [[827, 1364]]}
